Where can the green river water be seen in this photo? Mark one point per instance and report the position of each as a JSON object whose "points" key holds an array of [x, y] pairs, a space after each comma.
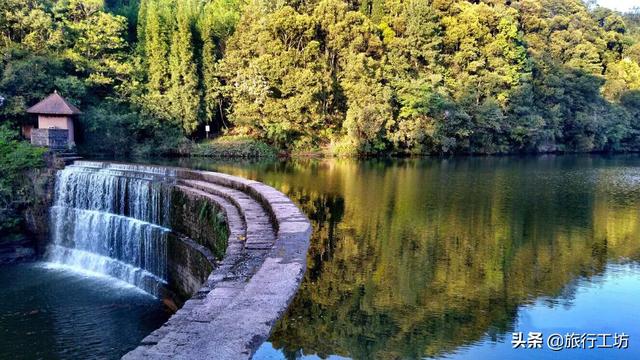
{"points": [[449, 257], [416, 258]]}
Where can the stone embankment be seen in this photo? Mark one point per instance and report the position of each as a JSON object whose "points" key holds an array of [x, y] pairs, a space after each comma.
{"points": [[230, 312], [16, 248]]}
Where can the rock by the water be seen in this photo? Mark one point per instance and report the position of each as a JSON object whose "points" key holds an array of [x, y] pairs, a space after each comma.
{"points": [[15, 253]]}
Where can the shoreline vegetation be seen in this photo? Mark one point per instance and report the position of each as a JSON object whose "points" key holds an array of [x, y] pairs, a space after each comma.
{"points": [[247, 148], [348, 78], [244, 148], [229, 147], [21, 183]]}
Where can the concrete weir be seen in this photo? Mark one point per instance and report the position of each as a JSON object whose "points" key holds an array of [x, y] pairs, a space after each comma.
{"points": [[235, 298]]}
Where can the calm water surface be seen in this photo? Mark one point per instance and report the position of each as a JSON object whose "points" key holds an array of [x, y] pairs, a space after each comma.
{"points": [[446, 258], [53, 313], [436, 258]]}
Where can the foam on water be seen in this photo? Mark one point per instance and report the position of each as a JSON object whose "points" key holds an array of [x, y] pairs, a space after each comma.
{"points": [[113, 283]]}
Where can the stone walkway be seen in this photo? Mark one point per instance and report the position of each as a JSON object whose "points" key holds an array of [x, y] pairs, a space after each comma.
{"points": [[234, 311]]}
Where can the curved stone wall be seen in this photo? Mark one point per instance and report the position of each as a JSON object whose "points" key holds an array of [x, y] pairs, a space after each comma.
{"points": [[198, 241], [235, 295]]}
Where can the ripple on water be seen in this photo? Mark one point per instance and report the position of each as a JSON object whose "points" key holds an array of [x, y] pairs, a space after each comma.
{"points": [[52, 312]]}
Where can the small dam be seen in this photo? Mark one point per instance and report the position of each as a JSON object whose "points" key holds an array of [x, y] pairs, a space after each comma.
{"points": [[227, 253]]}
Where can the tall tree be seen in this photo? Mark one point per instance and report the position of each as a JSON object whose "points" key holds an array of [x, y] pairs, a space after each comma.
{"points": [[184, 94], [156, 47], [217, 23]]}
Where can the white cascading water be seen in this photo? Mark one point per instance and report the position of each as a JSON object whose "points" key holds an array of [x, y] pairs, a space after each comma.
{"points": [[112, 219]]}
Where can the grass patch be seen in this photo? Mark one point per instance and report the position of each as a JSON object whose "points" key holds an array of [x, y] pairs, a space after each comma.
{"points": [[232, 146]]}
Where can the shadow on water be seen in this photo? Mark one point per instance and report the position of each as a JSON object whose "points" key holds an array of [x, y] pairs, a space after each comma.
{"points": [[430, 257]]}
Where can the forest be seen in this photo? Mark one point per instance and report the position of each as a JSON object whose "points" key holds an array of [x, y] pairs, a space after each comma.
{"points": [[345, 77]]}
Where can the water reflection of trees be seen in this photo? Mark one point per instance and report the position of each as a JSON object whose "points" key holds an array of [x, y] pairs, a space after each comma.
{"points": [[414, 258], [423, 257]]}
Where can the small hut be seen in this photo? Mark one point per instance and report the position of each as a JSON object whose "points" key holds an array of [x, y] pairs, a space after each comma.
{"points": [[55, 122]]}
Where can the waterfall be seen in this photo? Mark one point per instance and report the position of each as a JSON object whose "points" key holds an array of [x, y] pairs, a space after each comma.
{"points": [[112, 219]]}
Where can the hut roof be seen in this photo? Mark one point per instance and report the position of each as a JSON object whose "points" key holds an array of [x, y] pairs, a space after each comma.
{"points": [[54, 104]]}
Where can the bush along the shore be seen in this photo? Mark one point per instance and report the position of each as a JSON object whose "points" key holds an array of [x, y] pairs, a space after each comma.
{"points": [[17, 188], [231, 146]]}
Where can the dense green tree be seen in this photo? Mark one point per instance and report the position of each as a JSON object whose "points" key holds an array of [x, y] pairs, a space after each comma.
{"points": [[100, 51], [363, 76], [279, 91], [622, 77], [16, 158], [216, 25], [184, 94], [181, 44], [357, 52], [156, 48]]}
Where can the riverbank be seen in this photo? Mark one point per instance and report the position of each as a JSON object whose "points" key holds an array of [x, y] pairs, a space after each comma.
{"points": [[27, 178], [223, 147], [247, 147], [251, 149]]}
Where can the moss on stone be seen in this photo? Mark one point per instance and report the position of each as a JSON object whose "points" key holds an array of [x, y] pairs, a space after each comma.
{"points": [[211, 217], [200, 220]]}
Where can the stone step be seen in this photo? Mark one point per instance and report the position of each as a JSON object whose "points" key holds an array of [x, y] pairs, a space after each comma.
{"points": [[261, 233], [218, 290], [234, 264], [237, 228], [246, 220]]}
